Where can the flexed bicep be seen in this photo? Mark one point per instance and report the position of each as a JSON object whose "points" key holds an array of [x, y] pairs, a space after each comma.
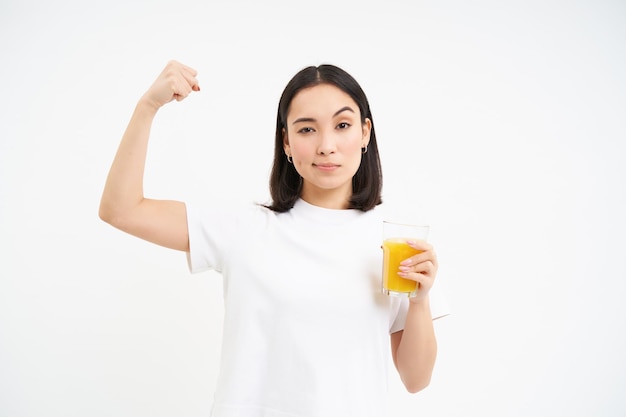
{"points": [[123, 204], [163, 222]]}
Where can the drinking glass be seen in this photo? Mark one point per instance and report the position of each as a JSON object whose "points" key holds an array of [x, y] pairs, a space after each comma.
{"points": [[395, 250]]}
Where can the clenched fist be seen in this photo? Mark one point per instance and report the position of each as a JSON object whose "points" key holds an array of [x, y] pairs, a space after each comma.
{"points": [[175, 82]]}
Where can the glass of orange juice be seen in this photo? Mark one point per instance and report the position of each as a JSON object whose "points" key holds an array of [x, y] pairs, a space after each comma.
{"points": [[395, 250]]}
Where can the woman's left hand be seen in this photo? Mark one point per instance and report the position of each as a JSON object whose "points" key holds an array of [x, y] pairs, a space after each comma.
{"points": [[421, 268]]}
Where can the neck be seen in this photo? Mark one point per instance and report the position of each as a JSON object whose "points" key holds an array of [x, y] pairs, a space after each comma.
{"points": [[331, 199]]}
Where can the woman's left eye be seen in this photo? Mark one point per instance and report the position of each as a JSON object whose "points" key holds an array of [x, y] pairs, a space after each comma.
{"points": [[343, 125]]}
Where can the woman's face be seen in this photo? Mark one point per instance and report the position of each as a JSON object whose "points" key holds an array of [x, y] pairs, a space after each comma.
{"points": [[324, 136]]}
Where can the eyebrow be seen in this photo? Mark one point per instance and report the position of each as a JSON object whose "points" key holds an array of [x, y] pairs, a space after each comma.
{"points": [[310, 119]]}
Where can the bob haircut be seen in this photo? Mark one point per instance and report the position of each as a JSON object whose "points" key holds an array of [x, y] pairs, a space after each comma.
{"points": [[285, 182]]}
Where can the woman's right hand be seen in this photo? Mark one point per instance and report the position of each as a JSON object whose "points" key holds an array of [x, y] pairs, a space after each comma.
{"points": [[123, 204], [175, 82]]}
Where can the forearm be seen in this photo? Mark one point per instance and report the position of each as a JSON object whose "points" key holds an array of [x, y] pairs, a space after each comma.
{"points": [[417, 350], [124, 185]]}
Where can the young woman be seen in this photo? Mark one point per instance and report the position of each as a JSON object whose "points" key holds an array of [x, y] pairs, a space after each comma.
{"points": [[307, 331]]}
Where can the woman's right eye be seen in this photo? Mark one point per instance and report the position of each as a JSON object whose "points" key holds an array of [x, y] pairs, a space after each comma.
{"points": [[305, 130]]}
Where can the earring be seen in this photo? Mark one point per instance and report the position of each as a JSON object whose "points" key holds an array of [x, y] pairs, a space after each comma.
{"points": [[364, 149], [289, 159]]}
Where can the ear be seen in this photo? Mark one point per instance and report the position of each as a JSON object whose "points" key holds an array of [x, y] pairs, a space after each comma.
{"points": [[367, 130], [286, 146]]}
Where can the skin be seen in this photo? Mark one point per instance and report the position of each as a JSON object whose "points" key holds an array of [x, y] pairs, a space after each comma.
{"points": [[123, 204], [414, 349], [324, 136]]}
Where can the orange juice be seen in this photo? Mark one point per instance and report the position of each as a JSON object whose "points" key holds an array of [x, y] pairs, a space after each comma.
{"points": [[396, 250]]}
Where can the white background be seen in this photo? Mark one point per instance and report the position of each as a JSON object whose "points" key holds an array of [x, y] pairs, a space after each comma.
{"points": [[500, 123]]}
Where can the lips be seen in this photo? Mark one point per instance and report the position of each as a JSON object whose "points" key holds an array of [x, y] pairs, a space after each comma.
{"points": [[326, 166]]}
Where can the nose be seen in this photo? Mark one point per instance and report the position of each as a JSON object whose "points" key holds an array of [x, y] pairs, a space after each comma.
{"points": [[327, 144]]}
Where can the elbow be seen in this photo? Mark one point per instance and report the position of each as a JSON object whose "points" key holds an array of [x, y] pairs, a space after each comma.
{"points": [[109, 214], [416, 384], [414, 388], [105, 213]]}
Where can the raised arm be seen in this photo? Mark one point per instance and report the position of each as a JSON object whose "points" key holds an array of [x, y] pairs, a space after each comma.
{"points": [[123, 204]]}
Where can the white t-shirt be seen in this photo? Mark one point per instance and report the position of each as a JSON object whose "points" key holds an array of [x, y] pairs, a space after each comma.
{"points": [[306, 327]]}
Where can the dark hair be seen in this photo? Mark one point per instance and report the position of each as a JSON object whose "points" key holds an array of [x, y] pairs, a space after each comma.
{"points": [[285, 182]]}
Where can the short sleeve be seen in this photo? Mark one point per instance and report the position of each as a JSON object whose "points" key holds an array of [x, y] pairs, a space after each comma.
{"points": [[215, 231], [207, 237], [439, 307], [399, 309]]}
